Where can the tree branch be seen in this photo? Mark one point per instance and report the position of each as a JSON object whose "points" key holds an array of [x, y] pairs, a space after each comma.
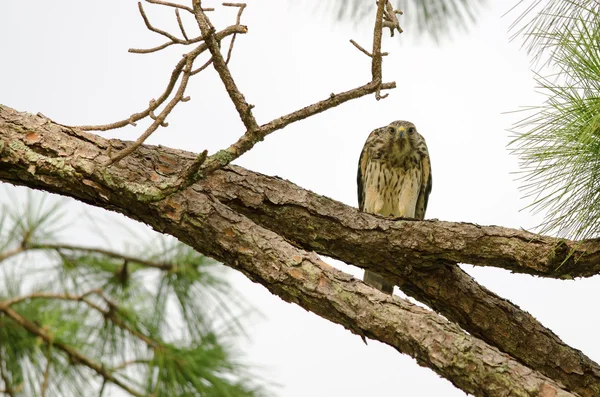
{"points": [[30, 155], [420, 257], [254, 133], [111, 313], [399, 242], [100, 251], [208, 32], [154, 104]]}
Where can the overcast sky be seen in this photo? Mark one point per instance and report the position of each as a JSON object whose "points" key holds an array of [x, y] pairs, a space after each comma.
{"points": [[69, 60]]}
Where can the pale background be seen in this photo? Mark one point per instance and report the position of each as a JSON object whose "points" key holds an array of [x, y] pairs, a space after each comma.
{"points": [[69, 60]]}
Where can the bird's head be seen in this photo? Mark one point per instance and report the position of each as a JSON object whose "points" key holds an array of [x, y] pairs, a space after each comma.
{"points": [[403, 135]]}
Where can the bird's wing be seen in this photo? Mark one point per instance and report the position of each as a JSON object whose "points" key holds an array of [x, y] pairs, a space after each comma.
{"points": [[362, 169], [425, 187], [364, 159]]}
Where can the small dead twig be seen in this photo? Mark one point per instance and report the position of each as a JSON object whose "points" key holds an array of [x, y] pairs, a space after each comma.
{"points": [[241, 6], [201, 68], [169, 4], [180, 23], [175, 74], [390, 20], [172, 38], [208, 32], [254, 133], [376, 59], [367, 53], [156, 30], [160, 119], [183, 70]]}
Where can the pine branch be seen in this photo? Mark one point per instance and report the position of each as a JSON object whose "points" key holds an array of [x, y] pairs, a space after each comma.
{"points": [[123, 323], [75, 355], [92, 250], [558, 141]]}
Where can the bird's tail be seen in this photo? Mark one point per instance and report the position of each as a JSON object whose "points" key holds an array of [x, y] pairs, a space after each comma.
{"points": [[377, 281]]}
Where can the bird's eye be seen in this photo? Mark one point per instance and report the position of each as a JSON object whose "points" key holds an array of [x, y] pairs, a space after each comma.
{"points": [[391, 129], [411, 130]]}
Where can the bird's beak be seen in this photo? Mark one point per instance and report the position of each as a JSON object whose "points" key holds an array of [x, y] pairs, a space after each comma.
{"points": [[401, 132]]}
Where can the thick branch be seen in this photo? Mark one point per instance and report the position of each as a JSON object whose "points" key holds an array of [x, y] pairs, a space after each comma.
{"points": [[337, 230], [419, 257], [40, 154]]}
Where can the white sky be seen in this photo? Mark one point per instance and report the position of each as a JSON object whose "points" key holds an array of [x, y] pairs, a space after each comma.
{"points": [[68, 59]]}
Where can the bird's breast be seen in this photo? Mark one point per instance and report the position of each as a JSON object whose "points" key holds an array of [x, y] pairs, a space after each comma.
{"points": [[391, 190]]}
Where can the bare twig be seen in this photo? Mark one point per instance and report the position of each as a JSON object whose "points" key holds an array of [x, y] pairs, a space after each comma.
{"points": [[151, 50], [390, 20], [208, 32], [156, 30], [201, 68], [169, 89], [180, 23], [246, 142], [367, 53], [241, 6], [376, 58], [175, 5], [255, 134], [169, 4], [159, 120]]}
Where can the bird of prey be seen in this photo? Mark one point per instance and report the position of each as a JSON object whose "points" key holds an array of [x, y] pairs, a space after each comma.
{"points": [[394, 179]]}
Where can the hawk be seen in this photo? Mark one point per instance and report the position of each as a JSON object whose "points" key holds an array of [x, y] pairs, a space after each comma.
{"points": [[394, 179]]}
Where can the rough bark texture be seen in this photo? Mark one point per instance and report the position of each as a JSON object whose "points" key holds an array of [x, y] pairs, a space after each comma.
{"points": [[330, 228], [402, 242], [40, 154]]}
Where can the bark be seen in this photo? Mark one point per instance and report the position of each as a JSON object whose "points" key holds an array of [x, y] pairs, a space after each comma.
{"points": [[330, 228], [40, 154]]}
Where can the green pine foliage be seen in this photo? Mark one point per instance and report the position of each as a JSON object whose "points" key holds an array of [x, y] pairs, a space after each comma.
{"points": [[158, 319], [558, 143], [435, 19]]}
